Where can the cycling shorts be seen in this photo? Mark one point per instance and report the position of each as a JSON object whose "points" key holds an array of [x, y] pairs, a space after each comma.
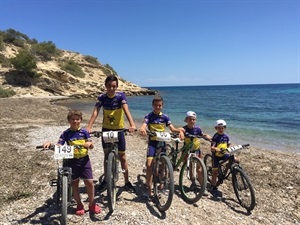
{"points": [[152, 148], [217, 159], [121, 142], [81, 168]]}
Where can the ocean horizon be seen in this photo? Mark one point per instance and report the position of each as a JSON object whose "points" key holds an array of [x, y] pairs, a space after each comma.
{"points": [[262, 115]]}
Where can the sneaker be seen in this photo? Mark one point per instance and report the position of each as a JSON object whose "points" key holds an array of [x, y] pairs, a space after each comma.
{"points": [[215, 192], [129, 187], [102, 187], [95, 209], [80, 210], [146, 197]]}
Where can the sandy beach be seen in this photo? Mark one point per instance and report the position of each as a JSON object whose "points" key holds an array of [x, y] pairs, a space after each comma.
{"points": [[27, 198]]}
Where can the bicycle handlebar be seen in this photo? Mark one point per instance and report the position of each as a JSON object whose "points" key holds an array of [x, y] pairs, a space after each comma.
{"points": [[51, 147], [99, 133]]}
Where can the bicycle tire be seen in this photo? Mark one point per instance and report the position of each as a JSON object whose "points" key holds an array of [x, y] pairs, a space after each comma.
{"points": [[191, 186], [110, 179], [163, 183], [208, 161], [64, 200], [243, 188]]}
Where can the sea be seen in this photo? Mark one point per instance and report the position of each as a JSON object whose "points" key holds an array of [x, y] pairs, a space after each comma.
{"points": [[264, 116]]}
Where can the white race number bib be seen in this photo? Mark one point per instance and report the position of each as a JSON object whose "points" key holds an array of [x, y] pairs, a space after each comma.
{"points": [[163, 136], [110, 136], [64, 152]]}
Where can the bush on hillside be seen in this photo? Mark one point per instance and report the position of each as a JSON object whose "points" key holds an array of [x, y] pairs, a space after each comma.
{"points": [[110, 68], [14, 37], [45, 50], [25, 62], [4, 61], [92, 60], [5, 93], [72, 67]]}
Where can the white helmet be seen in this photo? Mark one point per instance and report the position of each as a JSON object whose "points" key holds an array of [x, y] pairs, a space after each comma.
{"points": [[220, 123], [190, 113]]}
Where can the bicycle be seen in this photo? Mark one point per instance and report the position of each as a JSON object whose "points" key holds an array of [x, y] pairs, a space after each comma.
{"points": [[242, 186], [163, 176], [193, 175], [64, 179], [112, 164]]}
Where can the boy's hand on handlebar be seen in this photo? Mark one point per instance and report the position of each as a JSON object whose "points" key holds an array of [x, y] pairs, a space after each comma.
{"points": [[46, 144], [131, 129], [143, 132]]}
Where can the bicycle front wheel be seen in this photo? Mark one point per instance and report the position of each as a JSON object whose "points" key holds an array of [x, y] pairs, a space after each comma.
{"points": [[64, 200], [192, 180], [163, 183], [110, 179], [243, 188], [208, 161]]}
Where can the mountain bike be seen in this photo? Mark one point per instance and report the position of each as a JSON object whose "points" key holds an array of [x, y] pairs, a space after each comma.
{"points": [[193, 174], [242, 186], [162, 171], [112, 164], [64, 179]]}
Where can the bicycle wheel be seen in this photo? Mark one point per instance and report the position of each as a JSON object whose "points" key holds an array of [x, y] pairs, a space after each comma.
{"points": [[243, 188], [110, 179], [64, 200], [208, 161], [163, 183], [192, 180]]}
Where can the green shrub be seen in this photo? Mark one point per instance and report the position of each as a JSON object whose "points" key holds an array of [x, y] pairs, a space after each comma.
{"points": [[71, 67], [92, 60], [110, 68], [5, 93], [45, 49], [24, 61], [4, 61], [14, 37]]}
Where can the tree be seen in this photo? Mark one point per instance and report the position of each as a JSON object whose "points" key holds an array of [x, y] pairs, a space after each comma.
{"points": [[25, 62]]}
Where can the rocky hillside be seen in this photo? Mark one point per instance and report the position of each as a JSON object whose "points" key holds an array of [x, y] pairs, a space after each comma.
{"points": [[54, 81]]}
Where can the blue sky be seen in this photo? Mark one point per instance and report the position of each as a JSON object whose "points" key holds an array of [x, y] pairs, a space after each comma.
{"points": [[171, 42]]}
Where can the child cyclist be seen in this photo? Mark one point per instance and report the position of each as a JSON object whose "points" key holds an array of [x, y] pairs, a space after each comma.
{"points": [[154, 121], [80, 164], [192, 129], [114, 106], [220, 141]]}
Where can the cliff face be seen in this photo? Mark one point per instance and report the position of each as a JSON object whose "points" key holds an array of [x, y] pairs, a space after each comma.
{"points": [[53, 81]]}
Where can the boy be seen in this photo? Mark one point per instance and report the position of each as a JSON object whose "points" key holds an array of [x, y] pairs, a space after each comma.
{"points": [[220, 141], [192, 129], [114, 106], [80, 164], [154, 121]]}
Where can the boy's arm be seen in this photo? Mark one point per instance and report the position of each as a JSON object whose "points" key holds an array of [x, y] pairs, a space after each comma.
{"points": [[143, 130], [92, 119], [129, 118]]}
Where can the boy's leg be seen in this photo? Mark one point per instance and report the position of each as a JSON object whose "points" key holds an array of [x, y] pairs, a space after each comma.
{"points": [[149, 165], [124, 165], [76, 194]]}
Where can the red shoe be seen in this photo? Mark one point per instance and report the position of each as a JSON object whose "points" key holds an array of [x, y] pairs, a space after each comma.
{"points": [[95, 209], [80, 210]]}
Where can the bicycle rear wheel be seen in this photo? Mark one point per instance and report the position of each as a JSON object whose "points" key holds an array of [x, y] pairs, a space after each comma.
{"points": [[163, 183], [64, 200], [243, 188], [208, 161], [110, 179], [192, 180]]}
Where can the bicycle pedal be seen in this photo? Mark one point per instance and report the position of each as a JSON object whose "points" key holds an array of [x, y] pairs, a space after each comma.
{"points": [[53, 182]]}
